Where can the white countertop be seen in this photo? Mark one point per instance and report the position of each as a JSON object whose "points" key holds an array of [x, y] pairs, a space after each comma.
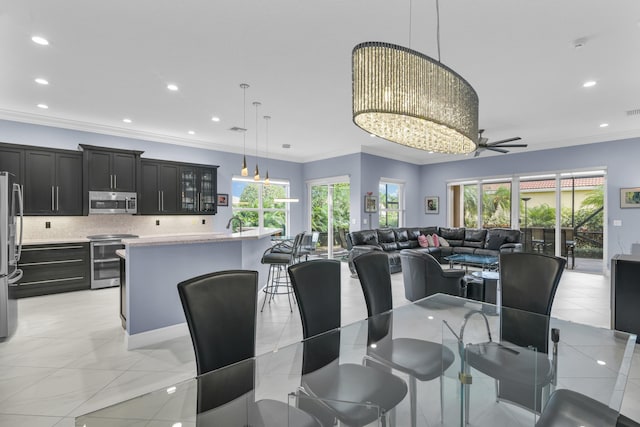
{"points": [[214, 237]]}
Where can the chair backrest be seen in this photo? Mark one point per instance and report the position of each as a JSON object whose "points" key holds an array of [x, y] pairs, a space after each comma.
{"points": [[423, 275], [375, 279], [297, 246], [220, 309], [316, 284], [528, 282]]}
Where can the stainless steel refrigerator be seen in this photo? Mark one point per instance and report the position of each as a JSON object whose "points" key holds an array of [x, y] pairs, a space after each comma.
{"points": [[10, 248]]}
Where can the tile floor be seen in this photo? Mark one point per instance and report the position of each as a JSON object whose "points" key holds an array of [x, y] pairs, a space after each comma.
{"points": [[68, 357]]}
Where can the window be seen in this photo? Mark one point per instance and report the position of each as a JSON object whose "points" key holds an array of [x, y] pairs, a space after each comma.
{"points": [[496, 205], [254, 203], [391, 204]]}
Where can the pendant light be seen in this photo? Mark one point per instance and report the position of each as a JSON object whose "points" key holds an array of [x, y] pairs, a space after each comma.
{"points": [[411, 99], [244, 171], [266, 177], [256, 173]]}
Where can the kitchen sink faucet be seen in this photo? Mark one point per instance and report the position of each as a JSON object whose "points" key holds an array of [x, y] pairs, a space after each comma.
{"points": [[239, 221]]}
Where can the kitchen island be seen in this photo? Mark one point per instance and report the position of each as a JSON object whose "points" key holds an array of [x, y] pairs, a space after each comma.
{"points": [[156, 264]]}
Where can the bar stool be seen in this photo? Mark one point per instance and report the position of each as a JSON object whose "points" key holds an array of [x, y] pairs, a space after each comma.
{"points": [[279, 257]]}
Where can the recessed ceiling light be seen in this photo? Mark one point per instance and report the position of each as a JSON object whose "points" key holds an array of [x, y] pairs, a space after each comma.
{"points": [[590, 83], [41, 81], [191, 132], [215, 119], [172, 87], [430, 152], [126, 120], [40, 40], [604, 125], [372, 135], [601, 362], [43, 106]]}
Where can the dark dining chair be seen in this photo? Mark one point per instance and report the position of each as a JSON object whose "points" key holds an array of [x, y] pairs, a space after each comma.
{"points": [[220, 309], [567, 408], [279, 257], [421, 360], [423, 276], [519, 361], [327, 383]]}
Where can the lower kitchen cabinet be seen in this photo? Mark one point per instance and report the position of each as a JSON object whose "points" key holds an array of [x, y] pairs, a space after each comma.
{"points": [[54, 268]]}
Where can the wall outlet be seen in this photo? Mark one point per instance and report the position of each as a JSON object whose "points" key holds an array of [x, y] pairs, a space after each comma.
{"points": [[364, 221], [354, 221], [617, 223], [47, 224], [157, 222]]}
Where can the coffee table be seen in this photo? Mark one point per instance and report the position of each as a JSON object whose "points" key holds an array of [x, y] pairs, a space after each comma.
{"points": [[486, 262]]}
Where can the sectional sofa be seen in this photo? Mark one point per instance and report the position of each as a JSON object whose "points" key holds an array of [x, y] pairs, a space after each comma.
{"points": [[460, 240]]}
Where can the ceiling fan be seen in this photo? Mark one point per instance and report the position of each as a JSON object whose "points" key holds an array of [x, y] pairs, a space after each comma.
{"points": [[498, 146]]}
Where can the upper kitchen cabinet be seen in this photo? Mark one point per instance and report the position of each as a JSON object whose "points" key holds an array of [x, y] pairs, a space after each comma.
{"points": [[52, 182], [158, 187], [110, 169], [12, 160], [198, 189]]}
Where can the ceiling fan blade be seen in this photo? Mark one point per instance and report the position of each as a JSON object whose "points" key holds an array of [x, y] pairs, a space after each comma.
{"points": [[514, 145], [517, 138], [499, 150]]}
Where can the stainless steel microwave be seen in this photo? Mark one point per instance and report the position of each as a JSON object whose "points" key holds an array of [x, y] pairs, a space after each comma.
{"points": [[107, 202]]}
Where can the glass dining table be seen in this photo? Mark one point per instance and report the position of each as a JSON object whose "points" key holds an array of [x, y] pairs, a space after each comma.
{"points": [[592, 361]]}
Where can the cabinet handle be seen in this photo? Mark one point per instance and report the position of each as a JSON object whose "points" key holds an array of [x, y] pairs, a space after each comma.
{"points": [[115, 181], [110, 181], [159, 201], [57, 198], [162, 193], [53, 203]]}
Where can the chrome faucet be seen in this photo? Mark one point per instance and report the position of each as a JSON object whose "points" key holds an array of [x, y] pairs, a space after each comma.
{"points": [[239, 221]]}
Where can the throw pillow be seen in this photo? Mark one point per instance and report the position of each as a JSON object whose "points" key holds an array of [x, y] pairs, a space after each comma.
{"points": [[495, 241], [443, 242], [436, 242], [430, 241], [422, 241]]}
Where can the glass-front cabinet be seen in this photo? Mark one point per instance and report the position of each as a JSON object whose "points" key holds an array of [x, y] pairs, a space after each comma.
{"points": [[198, 189]]}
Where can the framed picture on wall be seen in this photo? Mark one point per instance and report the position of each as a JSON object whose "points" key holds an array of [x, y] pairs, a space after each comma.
{"points": [[630, 197], [223, 199], [370, 204], [431, 205]]}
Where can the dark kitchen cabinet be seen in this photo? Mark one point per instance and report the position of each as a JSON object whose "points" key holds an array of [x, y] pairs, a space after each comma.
{"points": [[52, 182], [159, 187], [12, 160], [54, 268], [198, 189], [110, 169]]}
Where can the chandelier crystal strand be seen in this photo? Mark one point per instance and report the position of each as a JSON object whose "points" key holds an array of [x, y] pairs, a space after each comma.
{"points": [[266, 177], [244, 171], [256, 173]]}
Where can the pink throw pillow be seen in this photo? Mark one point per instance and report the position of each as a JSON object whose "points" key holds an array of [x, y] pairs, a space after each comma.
{"points": [[422, 241], [436, 242]]}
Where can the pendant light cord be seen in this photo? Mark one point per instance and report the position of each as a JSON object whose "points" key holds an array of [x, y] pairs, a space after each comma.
{"points": [[438, 27]]}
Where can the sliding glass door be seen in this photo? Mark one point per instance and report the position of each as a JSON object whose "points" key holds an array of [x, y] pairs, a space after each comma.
{"points": [[329, 215]]}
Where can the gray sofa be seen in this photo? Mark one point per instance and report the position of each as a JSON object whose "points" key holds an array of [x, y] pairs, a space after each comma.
{"points": [[461, 240]]}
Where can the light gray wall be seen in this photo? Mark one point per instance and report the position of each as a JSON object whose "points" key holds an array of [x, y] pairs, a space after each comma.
{"points": [[52, 137], [618, 158]]}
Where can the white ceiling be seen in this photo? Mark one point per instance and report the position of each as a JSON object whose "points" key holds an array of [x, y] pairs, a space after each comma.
{"points": [[108, 60]]}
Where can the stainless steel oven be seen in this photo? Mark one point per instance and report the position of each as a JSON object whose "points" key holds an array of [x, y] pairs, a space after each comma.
{"points": [[105, 264]]}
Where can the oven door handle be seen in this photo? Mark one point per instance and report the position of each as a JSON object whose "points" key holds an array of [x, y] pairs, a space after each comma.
{"points": [[100, 261]]}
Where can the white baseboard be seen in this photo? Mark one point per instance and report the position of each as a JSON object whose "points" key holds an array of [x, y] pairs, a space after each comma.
{"points": [[155, 336]]}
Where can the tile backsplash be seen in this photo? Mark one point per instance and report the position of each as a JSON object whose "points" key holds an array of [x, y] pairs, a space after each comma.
{"points": [[83, 226]]}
